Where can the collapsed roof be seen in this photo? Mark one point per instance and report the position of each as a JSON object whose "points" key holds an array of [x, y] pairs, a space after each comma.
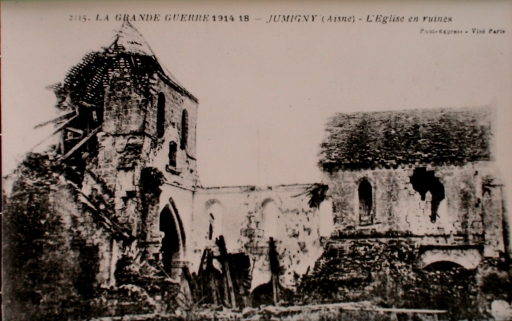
{"points": [[128, 54], [389, 139], [82, 93]]}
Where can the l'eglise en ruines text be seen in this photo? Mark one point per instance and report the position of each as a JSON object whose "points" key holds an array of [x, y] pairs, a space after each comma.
{"points": [[394, 18]]}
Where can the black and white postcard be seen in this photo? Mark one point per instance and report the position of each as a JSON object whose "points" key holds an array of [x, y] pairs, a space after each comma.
{"points": [[256, 160]]}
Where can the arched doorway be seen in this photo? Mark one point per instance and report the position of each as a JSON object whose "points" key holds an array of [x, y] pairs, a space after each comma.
{"points": [[173, 242], [446, 285]]}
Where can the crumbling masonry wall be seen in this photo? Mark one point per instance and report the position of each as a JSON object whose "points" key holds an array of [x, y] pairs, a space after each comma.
{"points": [[471, 212], [128, 127], [128, 142], [180, 178], [249, 216]]}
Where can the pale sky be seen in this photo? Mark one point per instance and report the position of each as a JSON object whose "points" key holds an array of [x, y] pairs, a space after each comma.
{"points": [[266, 90]]}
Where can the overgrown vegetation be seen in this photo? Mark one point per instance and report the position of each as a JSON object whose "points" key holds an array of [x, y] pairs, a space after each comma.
{"points": [[48, 271], [366, 140], [383, 272], [51, 245]]}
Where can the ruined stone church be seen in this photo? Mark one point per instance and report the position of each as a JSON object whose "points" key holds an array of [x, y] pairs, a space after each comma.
{"points": [[138, 120], [424, 179]]}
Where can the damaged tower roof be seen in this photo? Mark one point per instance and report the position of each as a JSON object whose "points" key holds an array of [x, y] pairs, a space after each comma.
{"points": [[132, 41], [128, 60], [388, 139], [129, 54]]}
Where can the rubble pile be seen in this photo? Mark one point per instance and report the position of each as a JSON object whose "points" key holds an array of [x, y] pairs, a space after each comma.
{"points": [[360, 311], [382, 270], [347, 267]]}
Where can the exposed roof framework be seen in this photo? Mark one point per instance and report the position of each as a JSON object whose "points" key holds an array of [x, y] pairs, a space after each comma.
{"points": [[81, 95]]}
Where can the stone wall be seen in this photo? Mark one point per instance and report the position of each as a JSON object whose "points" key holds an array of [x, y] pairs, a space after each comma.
{"points": [[470, 211], [180, 175], [247, 216], [129, 142], [382, 270], [124, 107], [184, 173]]}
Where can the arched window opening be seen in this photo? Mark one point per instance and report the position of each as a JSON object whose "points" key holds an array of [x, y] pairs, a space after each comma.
{"points": [[160, 115], [173, 149], [210, 232], [270, 214], [184, 129], [210, 228], [214, 210], [424, 181], [365, 194]]}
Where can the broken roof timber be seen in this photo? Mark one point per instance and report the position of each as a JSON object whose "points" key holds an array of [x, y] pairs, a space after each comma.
{"points": [[79, 144], [61, 127]]}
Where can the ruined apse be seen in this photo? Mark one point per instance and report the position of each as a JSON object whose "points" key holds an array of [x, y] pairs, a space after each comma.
{"points": [[428, 175]]}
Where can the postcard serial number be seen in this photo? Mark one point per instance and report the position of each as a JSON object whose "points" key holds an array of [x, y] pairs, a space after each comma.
{"points": [[160, 17]]}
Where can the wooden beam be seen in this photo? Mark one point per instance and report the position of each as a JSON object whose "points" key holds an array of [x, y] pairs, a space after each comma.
{"points": [[78, 131], [79, 144], [61, 127], [274, 269], [229, 291], [56, 119]]}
